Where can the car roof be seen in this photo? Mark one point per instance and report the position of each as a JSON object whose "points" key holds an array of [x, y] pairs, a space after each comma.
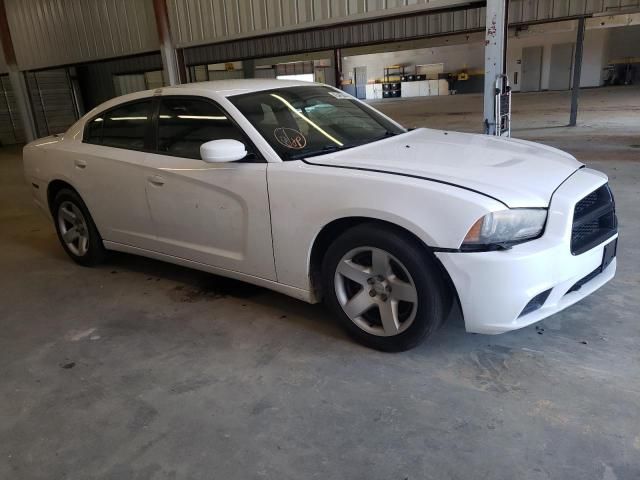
{"points": [[225, 88], [229, 88]]}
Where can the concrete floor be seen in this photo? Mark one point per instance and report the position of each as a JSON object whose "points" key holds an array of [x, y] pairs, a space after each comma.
{"points": [[142, 370]]}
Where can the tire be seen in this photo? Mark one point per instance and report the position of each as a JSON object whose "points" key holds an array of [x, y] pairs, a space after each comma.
{"points": [[385, 288], [70, 214]]}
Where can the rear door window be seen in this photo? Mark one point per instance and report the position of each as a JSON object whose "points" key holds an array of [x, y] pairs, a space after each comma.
{"points": [[122, 127]]}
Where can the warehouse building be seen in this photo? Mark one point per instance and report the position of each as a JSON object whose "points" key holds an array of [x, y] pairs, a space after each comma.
{"points": [[141, 369], [73, 57]]}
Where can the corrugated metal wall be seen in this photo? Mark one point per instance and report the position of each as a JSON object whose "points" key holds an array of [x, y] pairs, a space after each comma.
{"points": [[338, 36], [198, 22], [527, 11], [49, 33], [385, 29], [60, 32]]}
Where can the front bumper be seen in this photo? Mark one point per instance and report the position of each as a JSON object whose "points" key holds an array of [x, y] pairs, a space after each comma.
{"points": [[494, 287]]}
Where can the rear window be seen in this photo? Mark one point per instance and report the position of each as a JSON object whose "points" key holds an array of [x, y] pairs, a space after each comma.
{"points": [[121, 127], [94, 130]]}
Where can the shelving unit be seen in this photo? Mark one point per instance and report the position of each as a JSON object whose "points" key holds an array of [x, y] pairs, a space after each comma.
{"points": [[391, 88], [393, 71]]}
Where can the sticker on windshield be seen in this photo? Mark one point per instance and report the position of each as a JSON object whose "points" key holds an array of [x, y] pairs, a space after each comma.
{"points": [[290, 138], [341, 95]]}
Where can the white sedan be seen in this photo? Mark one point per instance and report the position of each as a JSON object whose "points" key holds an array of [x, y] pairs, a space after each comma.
{"points": [[305, 190]]}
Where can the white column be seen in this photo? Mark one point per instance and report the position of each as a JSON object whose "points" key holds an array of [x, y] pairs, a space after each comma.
{"points": [[494, 54], [577, 72], [167, 49], [170, 63]]}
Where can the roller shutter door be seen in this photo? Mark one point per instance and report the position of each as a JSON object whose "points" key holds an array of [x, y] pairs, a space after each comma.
{"points": [[53, 100], [11, 131], [294, 68], [265, 73]]}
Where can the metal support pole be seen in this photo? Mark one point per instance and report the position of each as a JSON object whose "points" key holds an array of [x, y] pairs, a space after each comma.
{"points": [[495, 45], [577, 70], [337, 66], [167, 50], [18, 84], [182, 69]]}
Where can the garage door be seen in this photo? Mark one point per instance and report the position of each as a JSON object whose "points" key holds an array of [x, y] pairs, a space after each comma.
{"points": [[531, 69], [11, 131], [225, 74], [53, 100], [261, 72], [561, 63], [294, 68]]}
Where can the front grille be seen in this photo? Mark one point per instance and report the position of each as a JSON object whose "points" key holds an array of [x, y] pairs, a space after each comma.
{"points": [[594, 220], [586, 203]]}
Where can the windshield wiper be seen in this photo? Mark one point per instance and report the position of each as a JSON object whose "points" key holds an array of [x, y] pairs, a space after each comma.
{"points": [[321, 151], [334, 148], [387, 134]]}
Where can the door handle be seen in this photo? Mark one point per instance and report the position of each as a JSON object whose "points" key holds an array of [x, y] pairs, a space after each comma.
{"points": [[156, 180], [80, 163]]}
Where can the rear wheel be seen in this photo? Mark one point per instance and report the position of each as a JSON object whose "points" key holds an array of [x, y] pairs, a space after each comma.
{"points": [[76, 231], [385, 288]]}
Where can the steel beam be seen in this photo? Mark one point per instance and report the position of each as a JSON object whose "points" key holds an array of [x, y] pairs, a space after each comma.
{"points": [[495, 47], [577, 71], [337, 67]]}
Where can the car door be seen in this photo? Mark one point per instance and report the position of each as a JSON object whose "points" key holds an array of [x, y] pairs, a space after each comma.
{"points": [[110, 176], [215, 214]]}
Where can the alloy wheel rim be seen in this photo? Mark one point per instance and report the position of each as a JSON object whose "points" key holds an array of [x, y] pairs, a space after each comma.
{"points": [[73, 228], [376, 291]]}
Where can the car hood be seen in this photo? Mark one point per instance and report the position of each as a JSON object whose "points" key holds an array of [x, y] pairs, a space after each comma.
{"points": [[516, 172]]}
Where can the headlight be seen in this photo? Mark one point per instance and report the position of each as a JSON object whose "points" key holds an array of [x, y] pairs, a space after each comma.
{"points": [[506, 227]]}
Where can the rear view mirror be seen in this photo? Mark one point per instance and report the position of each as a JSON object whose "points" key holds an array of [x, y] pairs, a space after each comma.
{"points": [[218, 151]]}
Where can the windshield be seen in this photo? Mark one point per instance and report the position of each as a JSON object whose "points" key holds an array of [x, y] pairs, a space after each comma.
{"points": [[301, 122]]}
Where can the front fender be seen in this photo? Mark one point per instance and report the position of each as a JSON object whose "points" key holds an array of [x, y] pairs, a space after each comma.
{"points": [[304, 198]]}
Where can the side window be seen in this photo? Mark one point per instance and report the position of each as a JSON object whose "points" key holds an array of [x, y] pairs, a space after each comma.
{"points": [[185, 124], [94, 131], [126, 126]]}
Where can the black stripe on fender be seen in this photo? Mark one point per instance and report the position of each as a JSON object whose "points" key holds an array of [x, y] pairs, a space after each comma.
{"points": [[362, 169]]}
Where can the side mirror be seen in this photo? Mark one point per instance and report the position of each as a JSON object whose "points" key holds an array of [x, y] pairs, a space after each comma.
{"points": [[218, 151]]}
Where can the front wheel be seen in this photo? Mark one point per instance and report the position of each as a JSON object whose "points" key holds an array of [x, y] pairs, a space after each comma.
{"points": [[385, 288]]}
